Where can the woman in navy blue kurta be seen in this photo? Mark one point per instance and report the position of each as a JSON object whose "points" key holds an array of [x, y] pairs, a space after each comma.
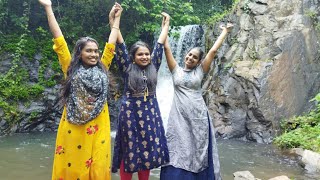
{"points": [[140, 143], [140, 139]]}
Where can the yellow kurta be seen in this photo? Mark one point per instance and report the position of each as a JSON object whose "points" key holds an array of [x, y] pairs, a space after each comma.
{"points": [[82, 152]]}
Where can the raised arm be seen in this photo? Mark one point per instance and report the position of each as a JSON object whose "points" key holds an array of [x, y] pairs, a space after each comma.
{"points": [[109, 49], [214, 49], [120, 39], [112, 20], [53, 24], [165, 28], [170, 59]]}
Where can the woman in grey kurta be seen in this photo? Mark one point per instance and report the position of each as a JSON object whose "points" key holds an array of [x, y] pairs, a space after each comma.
{"points": [[190, 133]]}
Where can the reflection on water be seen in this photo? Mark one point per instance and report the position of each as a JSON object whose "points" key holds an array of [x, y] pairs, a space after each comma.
{"points": [[29, 156]]}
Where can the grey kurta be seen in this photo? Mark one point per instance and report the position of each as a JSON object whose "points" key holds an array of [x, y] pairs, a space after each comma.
{"points": [[188, 124]]}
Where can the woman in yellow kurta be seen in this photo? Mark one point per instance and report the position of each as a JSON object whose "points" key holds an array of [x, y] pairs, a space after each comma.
{"points": [[83, 144]]}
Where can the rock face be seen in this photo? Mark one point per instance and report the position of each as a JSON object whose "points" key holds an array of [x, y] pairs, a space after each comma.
{"points": [[308, 159], [311, 161], [243, 175], [280, 178], [267, 70], [40, 114], [246, 175]]}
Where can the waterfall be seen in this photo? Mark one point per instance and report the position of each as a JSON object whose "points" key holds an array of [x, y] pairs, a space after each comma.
{"points": [[189, 36]]}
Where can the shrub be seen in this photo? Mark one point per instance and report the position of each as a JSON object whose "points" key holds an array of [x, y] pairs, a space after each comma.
{"points": [[302, 131]]}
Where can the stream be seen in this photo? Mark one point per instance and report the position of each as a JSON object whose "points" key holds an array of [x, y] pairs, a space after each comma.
{"points": [[30, 156]]}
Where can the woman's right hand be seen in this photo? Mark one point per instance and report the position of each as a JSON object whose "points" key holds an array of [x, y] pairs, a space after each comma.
{"points": [[164, 28], [165, 19], [53, 24], [45, 3]]}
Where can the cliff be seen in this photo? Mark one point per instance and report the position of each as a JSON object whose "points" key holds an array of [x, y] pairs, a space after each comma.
{"points": [[267, 70]]}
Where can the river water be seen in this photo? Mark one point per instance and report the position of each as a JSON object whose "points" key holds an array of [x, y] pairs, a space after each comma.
{"points": [[30, 156]]}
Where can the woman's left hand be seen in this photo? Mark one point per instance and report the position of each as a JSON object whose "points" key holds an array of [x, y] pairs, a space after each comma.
{"points": [[228, 28], [118, 10]]}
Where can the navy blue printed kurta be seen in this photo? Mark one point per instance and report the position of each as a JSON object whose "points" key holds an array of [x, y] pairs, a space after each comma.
{"points": [[140, 140]]}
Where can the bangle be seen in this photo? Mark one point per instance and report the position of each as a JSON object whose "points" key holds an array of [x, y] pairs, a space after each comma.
{"points": [[115, 28], [50, 14]]}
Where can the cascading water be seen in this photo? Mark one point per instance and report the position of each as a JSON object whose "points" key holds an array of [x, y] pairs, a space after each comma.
{"points": [[189, 36]]}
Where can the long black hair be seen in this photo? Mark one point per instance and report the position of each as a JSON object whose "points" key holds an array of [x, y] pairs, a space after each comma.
{"points": [[137, 74], [75, 64]]}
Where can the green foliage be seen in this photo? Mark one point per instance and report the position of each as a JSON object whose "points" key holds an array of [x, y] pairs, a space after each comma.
{"points": [[312, 14], [302, 131], [213, 8], [222, 13], [306, 138], [33, 116], [8, 43], [14, 86], [140, 19], [246, 7], [24, 33], [143, 18], [317, 27], [217, 17], [3, 14], [227, 66], [317, 99], [10, 111]]}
